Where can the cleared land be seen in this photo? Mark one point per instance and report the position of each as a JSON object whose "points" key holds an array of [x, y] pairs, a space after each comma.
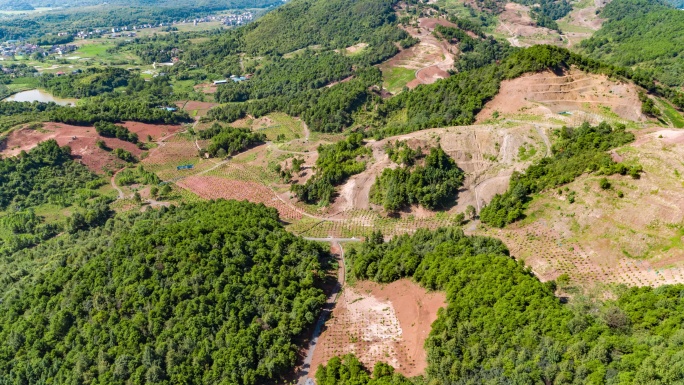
{"points": [[522, 31], [590, 97], [430, 59], [82, 141], [602, 238], [386, 323]]}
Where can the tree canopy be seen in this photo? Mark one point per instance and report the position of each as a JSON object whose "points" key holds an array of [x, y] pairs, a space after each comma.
{"points": [[213, 292]]}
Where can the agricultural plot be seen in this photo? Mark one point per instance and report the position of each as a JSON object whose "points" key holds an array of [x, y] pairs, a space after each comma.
{"points": [[630, 233], [396, 78], [178, 150], [194, 108], [277, 127], [574, 94], [381, 323], [211, 187]]}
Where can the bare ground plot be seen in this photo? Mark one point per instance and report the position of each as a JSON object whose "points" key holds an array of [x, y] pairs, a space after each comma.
{"points": [[207, 88], [156, 131], [196, 109], [583, 18], [178, 150], [516, 23], [381, 323], [82, 141], [601, 238], [212, 187], [548, 94], [354, 49]]}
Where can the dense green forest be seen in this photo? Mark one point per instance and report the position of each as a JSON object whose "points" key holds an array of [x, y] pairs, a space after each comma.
{"points": [[646, 34], [432, 185], [45, 174], [213, 292], [227, 141], [91, 82], [576, 151], [336, 162], [301, 24], [502, 325], [327, 109]]}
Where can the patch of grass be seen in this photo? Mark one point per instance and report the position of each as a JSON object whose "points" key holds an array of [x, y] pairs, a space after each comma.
{"points": [[93, 50], [396, 78], [525, 152], [183, 85], [673, 115], [281, 128], [23, 84], [566, 27]]}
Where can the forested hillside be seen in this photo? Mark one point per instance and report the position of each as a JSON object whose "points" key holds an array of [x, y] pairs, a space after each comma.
{"points": [[502, 325], [295, 46], [212, 292], [646, 34]]}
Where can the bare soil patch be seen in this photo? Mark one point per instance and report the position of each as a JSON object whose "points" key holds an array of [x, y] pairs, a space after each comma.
{"points": [[430, 23], [386, 323], [431, 57], [546, 93], [213, 187], [515, 21], [156, 131], [355, 48], [195, 108], [431, 74], [207, 88], [82, 141]]}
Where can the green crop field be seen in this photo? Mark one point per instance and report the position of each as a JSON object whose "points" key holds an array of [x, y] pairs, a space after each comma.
{"points": [[396, 78]]}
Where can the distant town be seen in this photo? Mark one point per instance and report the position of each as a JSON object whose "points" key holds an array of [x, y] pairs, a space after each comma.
{"points": [[11, 48]]}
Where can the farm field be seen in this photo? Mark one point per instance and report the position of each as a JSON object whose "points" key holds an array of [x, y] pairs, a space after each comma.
{"points": [[396, 78], [604, 238], [386, 323]]}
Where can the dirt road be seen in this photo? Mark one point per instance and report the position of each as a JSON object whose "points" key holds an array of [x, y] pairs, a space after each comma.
{"points": [[303, 375]]}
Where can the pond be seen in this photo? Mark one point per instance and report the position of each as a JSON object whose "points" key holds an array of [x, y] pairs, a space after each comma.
{"points": [[39, 96]]}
